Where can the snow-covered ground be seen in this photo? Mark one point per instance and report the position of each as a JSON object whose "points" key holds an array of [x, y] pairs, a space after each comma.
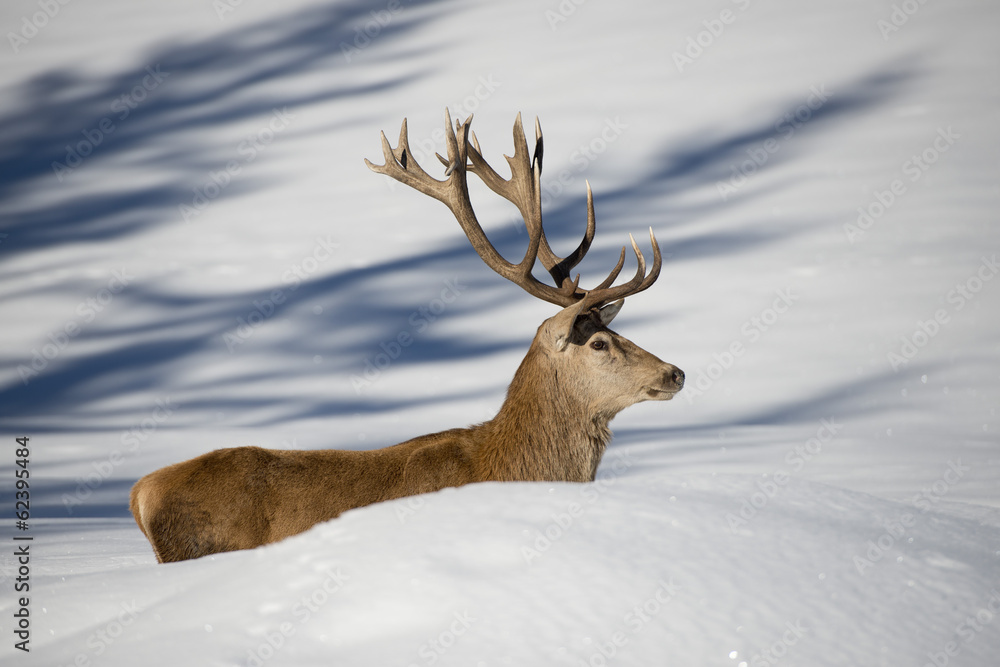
{"points": [[193, 255]]}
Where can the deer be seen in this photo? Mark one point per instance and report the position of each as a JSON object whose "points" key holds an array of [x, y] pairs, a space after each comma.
{"points": [[553, 425]]}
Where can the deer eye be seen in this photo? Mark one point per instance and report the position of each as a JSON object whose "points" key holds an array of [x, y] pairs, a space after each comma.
{"points": [[598, 345]]}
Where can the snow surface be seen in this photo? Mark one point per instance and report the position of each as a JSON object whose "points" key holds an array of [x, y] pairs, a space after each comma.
{"points": [[828, 496]]}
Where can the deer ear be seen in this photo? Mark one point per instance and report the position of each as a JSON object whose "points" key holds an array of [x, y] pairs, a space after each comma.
{"points": [[560, 325], [609, 311]]}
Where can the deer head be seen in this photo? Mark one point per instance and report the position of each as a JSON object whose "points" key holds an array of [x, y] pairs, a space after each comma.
{"points": [[596, 366]]}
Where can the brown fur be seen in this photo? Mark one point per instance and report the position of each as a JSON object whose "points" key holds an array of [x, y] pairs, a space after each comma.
{"points": [[553, 426]]}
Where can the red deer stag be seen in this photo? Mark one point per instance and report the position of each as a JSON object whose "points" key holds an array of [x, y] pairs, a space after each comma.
{"points": [[553, 425]]}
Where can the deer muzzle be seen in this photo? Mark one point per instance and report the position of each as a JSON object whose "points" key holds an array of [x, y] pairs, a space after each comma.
{"points": [[671, 382]]}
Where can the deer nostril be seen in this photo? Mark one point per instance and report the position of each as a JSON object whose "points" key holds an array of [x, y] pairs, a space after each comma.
{"points": [[678, 377]]}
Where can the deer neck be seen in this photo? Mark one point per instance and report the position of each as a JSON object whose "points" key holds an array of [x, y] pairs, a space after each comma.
{"points": [[542, 432]]}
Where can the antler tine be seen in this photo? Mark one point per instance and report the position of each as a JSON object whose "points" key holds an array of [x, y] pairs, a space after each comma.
{"points": [[400, 165], [454, 193], [654, 273], [539, 147], [614, 272], [603, 293], [524, 191], [456, 152], [567, 263]]}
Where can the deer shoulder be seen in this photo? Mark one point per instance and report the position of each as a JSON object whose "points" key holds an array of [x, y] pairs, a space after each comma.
{"points": [[438, 461]]}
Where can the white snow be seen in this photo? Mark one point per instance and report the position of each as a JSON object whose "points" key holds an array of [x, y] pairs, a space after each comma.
{"points": [[824, 491]]}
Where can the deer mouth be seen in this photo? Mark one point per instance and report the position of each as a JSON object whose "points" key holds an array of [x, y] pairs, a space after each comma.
{"points": [[671, 383], [660, 394]]}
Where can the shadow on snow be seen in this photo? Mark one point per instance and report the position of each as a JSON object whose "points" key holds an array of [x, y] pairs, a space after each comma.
{"points": [[168, 130]]}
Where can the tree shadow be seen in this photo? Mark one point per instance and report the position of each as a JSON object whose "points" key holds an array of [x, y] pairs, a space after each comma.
{"points": [[64, 124], [237, 76]]}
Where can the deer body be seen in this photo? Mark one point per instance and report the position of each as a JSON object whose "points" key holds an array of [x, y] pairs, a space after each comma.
{"points": [[553, 425]]}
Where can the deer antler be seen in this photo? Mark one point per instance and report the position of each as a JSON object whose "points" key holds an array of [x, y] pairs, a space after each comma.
{"points": [[523, 190]]}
